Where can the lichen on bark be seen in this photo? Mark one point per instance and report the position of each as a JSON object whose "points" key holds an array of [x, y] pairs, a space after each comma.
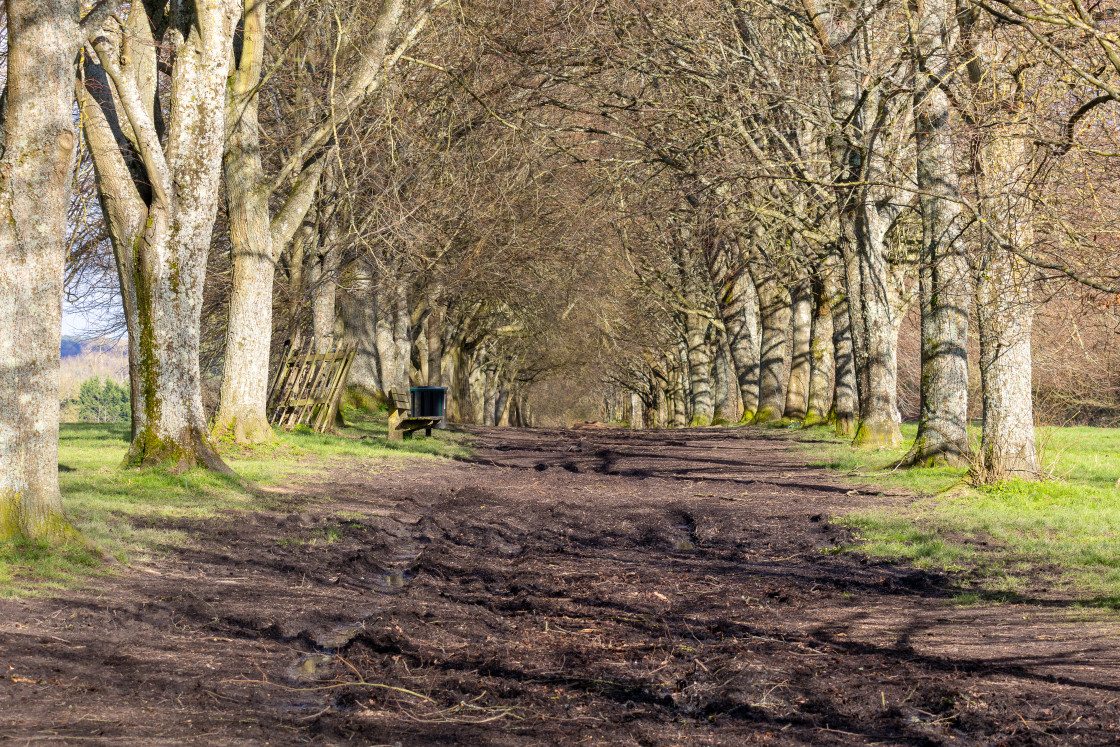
{"points": [[41, 40], [158, 188]]}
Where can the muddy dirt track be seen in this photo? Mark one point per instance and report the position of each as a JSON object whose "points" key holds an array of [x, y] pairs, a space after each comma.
{"points": [[591, 587]]}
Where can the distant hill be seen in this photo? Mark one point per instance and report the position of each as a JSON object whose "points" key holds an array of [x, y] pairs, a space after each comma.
{"points": [[71, 346]]}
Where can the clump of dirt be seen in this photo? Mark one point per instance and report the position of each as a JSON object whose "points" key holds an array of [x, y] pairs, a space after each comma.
{"points": [[611, 588]]}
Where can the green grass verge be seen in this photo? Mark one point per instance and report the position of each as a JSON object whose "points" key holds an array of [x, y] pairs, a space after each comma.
{"points": [[113, 508], [1014, 539]]}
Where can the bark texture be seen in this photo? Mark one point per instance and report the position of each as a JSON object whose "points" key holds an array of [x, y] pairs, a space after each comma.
{"points": [[39, 138], [675, 398], [435, 342], [739, 311], [241, 412], [1005, 313], [324, 290], [801, 317], [724, 386], [775, 313], [456, 377], [364, 383], [823, 364], [699, 369], [1004, 294], [393, 336], [844, 403], [943, 270], [875, 338], [302, 243], [637, 412]]}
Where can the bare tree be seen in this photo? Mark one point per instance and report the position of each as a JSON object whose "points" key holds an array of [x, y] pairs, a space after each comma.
{"points": [[943, 265], [258, 237], [1004, 161], [157, 149]]}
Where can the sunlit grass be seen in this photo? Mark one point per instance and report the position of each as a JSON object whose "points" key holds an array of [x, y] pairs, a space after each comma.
{"points": [[27, 568], [365, 436], [1063, 531], [828, 450], [898, 537], [114, 509]]}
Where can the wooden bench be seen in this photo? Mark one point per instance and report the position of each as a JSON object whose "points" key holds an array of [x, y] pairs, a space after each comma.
{"points": [[401, 426]]}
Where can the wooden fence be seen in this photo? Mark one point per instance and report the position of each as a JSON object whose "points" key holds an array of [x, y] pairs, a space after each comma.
{"points": [[306, 387]]}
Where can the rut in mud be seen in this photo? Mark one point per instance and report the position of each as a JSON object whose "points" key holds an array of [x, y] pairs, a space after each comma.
{"points": [[562, 587]]}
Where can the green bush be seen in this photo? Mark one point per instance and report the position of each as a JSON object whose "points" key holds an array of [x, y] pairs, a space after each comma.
{"points": [[102, 401]]}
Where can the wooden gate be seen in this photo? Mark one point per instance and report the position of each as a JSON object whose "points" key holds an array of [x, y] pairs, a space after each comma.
{"points": [[306, 387]]}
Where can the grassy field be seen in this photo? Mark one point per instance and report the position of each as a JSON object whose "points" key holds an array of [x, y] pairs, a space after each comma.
{"points": [[111, 506], [1016, 540]]}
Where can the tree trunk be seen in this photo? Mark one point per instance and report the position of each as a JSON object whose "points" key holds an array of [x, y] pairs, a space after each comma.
{"points": [[258, 239], [420, 347], [457, 380], [402, 340], [637, 416], [1005, 313], [482, 391], [364, 383], [724, 384], [663, 407], [844, 402], [739, 311], [435, 344], [393, 336], [738, 308], [864, 205], [489, 398], [823, 367], [501, 405], [699, 369], [124, 216], [1005, 303], [797, 394], [168, 257], [876, 349], [675, 398], [35, 177], [241, 410], [304, 240], [324, 291], [943, 270], [385, 338], [775, 312]]}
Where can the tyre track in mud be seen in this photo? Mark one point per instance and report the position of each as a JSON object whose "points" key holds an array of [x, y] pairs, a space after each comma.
{"points": [[561, 587]]}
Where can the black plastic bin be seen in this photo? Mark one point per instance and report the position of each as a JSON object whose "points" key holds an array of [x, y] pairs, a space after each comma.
{"points": [[429, 402]]}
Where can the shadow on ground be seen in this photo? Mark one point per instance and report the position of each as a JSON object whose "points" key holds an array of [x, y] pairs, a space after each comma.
{"points": [[560, 587]]}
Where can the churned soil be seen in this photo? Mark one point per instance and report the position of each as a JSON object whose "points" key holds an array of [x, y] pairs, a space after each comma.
{"points": [[593, 586]]}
